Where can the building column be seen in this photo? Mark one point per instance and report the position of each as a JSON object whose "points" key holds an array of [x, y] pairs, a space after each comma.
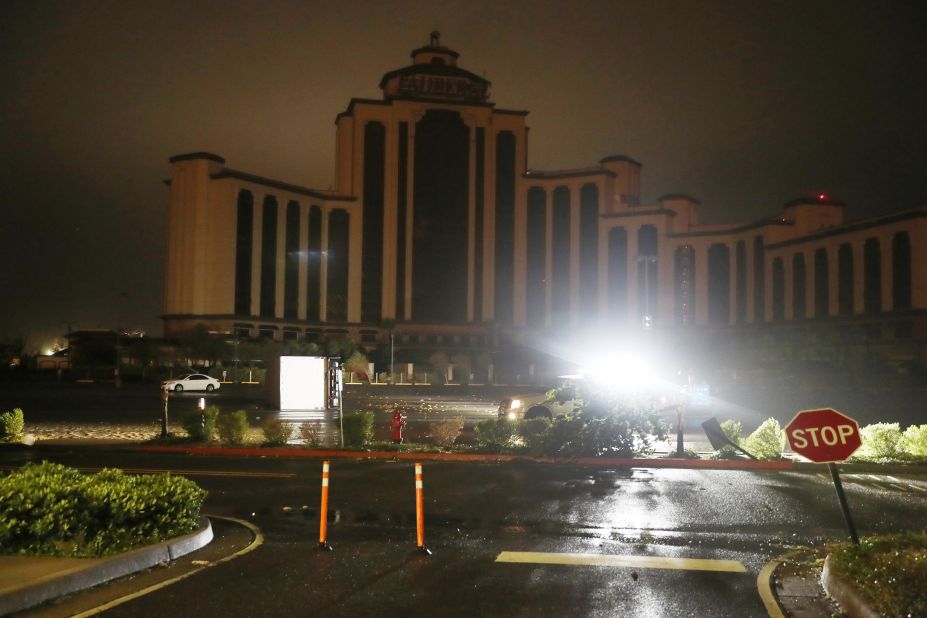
{"points": [[604, 291]]}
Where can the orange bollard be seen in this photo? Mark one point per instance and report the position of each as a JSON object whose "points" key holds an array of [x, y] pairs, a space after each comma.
{"points": [[323, 512], [419, 513]]}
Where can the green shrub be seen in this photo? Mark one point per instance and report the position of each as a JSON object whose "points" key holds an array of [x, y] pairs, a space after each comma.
{"points": [[358, 428], [889, 571], [12, 424], [495, 434], [233, 427], [310, 434], [444, 432], [914, 441], [533, 433], [50, 509], [880, 441], [734, 431], [201, 426], [766, 442], [615, 434], [276, 432]]}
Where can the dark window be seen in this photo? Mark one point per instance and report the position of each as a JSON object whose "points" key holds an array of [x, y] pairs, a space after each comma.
{"points": [[243, 239], [589, 250], [618, 273], [759, 279], [314, 278], [338, 233], [647, 284], [290, 334], [778, 290], [269, 258], [402, 189], [719, 284], [291, 274], [901, 272], [479, 224], [799, 285], [684, 267], [821, 284], [372, 262], [368, 336], [505, 225], [872, 277], [313, 335], [537, 256], [740, 291], [560, 290], [267, 332], [242, 330], [442, 147], [845, 279]]}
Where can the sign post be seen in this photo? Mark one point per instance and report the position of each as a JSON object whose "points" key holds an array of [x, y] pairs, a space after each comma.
{"points": [[826, 436]]}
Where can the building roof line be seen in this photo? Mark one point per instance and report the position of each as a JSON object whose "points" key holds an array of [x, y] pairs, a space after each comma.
{"points": [[284, 186]]}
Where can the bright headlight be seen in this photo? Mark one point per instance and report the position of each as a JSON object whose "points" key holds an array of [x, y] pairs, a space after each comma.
{"points": [[512, 416]]}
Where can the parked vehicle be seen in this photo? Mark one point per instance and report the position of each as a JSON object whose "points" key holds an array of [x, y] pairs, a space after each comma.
{"points": [[192, 382]]}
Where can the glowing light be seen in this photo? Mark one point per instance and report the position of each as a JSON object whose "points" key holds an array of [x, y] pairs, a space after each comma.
{"points": [[821, 196]]}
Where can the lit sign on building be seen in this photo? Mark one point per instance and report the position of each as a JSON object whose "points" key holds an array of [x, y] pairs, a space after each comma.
{"points": [[443, 87]]}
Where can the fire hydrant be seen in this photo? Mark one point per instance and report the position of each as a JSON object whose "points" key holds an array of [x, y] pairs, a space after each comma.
{"points": [[398, 422]]}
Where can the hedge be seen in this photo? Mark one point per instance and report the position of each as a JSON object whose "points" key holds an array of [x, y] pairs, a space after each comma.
{"points": [[50, 509]]}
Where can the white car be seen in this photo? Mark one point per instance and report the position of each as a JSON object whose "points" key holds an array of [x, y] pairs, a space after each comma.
{"points": [[192, 382]]}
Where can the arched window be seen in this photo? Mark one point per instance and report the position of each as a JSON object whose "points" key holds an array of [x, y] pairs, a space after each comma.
{"points": [[799, 285], [719, 284], [872, 277], [901, 272], [821, 284], [778, 289], [243, 238], [845, 279]]}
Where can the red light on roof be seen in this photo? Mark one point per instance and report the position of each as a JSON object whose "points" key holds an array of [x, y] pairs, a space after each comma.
{"points": [[821, 196]]}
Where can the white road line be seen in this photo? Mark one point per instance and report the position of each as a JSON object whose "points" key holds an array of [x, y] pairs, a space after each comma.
{"points": [[608, 560]]}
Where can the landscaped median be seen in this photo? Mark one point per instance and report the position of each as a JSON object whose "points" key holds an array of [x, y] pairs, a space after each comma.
{"points": [[63, 531], [49, 509]]}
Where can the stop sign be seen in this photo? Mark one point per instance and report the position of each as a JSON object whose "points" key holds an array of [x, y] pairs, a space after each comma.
{"points": [[823, 436]]}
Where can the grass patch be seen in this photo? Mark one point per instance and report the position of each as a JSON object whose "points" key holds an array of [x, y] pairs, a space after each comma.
{"points": [[889, 571]]}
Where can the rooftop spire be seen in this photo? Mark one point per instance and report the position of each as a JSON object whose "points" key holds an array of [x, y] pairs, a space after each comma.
{"points": [[435, 38]]}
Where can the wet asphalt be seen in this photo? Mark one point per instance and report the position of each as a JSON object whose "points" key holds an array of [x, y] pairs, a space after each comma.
{"points": [[475, 511]]}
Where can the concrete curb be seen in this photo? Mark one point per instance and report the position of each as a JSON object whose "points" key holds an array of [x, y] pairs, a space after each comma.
{"points": [[710, 464], [57, 584], [850, 601]]}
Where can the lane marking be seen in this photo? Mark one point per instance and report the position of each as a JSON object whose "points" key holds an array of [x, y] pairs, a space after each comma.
{"points": [[640, 562], [255, 543], [764, 586]]}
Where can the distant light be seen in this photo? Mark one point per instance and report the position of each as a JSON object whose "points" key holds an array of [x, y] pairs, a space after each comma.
{"points": [[821, 196]]}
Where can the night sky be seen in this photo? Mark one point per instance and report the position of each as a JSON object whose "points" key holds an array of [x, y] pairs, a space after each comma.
{"points": [[742, 105]]}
